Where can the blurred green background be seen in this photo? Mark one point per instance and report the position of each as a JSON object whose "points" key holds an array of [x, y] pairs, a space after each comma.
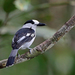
{"points": [[59, 60]]}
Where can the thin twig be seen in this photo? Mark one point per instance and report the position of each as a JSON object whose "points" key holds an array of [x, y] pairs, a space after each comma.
{"points": [[41, 48], [6, 19]]}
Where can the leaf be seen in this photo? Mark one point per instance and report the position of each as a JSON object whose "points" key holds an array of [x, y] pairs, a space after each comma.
{"points": [[9, 6], [22, 4], [1, 23]]}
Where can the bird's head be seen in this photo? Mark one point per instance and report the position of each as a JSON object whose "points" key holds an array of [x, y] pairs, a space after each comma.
{"points": [[33, 24]]}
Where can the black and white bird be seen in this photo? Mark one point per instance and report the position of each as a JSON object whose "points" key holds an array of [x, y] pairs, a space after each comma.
{"points": [[23, 38]]}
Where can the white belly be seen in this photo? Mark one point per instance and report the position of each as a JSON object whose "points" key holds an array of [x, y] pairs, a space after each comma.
{"points": [[27, 44]]}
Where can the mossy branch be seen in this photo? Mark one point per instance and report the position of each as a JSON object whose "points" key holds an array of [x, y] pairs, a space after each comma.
{"points": [[41, 48]]}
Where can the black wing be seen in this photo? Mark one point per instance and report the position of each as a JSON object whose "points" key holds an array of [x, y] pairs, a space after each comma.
{"points": [[21, 33]]}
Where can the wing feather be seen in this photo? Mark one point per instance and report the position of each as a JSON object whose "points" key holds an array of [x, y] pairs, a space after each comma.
{"points": [[23, 35]]}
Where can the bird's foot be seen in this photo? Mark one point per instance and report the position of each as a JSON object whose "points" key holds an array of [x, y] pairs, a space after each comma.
{"points": [[29, 48], [18, 55]]}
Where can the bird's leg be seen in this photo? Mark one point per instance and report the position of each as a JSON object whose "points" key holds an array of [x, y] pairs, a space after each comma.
{"points": [[18, 55], [29, 48]]}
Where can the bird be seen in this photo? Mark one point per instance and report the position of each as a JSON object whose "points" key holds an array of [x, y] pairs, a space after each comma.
{"points": [[23, 39]]}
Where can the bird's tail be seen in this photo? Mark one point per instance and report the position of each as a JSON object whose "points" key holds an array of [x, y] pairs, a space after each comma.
{"points": [[11, 58]]}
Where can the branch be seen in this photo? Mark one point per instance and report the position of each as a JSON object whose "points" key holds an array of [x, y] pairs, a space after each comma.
{"points": [[41, 48], [6, 19]]}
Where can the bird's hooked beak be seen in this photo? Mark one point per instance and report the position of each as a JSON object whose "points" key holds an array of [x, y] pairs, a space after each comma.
{"points": [[41, 24]]}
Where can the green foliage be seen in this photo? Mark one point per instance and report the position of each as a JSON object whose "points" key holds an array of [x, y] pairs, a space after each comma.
{"points": [[1, 23], [22, 4], [9, 6]]}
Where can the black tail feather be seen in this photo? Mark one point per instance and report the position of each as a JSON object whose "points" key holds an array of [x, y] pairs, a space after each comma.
{"points": [[10, 61]]}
